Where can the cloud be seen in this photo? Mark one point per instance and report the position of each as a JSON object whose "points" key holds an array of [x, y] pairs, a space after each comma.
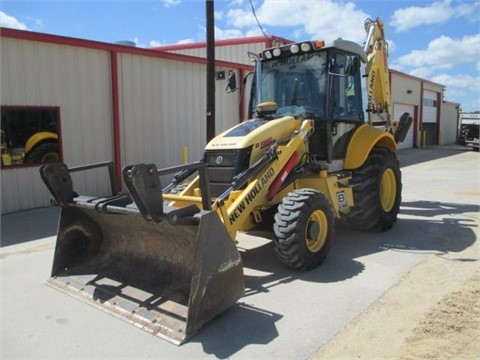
{"points": [[185, 41], [436, 13], [469, 10], [155, 43], [171, 3], [11, 22], [459, 89], [322, 19], [37, 23], [218, 15], [444, 53], [448, 61], [227, 34], [464, 82]]}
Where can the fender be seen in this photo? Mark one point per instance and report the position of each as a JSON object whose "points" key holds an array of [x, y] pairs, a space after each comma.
{"points": [[39, 137], [362, 142]]}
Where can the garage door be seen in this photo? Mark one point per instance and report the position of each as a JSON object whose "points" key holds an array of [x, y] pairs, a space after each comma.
{"points": [[398, 110]]}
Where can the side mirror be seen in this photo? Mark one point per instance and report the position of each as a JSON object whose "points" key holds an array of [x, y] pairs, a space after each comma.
{"points": [[232, 81]]}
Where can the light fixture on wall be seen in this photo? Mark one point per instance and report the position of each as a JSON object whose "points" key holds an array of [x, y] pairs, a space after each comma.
{"points": [[409, 91]]}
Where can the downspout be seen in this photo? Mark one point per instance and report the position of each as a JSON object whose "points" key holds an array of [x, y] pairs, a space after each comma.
{"points": [[439, 115], [420, 120], [117, 157]]}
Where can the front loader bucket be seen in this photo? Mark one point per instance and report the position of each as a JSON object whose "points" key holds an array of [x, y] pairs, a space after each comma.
{"points": [[168, 280], [167, 270]]}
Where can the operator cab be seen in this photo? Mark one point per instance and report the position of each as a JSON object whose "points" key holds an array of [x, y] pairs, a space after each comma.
{"points": [[312, 80]]}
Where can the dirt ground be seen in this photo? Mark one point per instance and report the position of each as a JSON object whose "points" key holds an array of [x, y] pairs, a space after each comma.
{"points": [[432, 313]]}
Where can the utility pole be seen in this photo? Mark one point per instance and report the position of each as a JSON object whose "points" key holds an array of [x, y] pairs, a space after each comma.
{"points": [[210, 70]]}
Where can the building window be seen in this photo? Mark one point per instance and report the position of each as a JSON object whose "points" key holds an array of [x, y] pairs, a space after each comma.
{"points": [[30, 135], [429, 102]]}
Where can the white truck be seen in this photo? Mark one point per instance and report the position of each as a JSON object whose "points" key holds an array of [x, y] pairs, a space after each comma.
{"points": [[469, 125]]}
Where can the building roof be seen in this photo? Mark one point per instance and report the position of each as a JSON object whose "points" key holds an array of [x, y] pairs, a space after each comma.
{"points": [[166, 51], [269, 41], [399, 73], [90, 44]]}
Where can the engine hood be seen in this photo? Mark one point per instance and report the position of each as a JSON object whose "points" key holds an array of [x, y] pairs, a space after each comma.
{"points": [[257, 132]]}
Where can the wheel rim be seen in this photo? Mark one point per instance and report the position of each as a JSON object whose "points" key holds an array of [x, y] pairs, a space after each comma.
{"points": [[316, 231], [388, 190]]}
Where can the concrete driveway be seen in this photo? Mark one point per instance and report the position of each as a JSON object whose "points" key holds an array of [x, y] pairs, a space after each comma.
{"points": [[284, 314]]}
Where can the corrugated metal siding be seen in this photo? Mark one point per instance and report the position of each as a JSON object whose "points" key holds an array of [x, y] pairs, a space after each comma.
{"points": [[449, 123], [237, 53], [78, 81], [163, 108]]}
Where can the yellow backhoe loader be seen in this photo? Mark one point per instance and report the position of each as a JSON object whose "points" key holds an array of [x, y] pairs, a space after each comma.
{"points": [[164, 257]]}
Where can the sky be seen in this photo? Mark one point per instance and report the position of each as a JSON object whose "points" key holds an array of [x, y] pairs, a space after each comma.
{"points": [[434, 40]]}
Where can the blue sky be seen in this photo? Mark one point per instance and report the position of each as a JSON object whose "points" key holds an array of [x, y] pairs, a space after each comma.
{"points": [[435, 40]]}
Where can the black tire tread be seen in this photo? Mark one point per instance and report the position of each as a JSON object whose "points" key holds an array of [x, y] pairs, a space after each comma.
{"points": [[289, 226], [368, 214]]}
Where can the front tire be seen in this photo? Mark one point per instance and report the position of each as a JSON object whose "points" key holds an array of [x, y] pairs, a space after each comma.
{"points": [[304, 226], [377, 192]]}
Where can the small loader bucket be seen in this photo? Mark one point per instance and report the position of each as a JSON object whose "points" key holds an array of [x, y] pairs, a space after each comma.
{"points": [[165, 278]]}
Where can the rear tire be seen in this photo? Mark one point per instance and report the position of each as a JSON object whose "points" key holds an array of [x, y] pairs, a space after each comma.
{"points": [[303, 229], [377, 192]]}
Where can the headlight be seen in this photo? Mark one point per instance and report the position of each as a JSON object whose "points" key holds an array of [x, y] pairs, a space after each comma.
{"points": [[306, 47]]}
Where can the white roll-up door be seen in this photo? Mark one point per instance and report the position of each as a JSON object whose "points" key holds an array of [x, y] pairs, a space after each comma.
{"points": [[398, 110], [429, 112]]}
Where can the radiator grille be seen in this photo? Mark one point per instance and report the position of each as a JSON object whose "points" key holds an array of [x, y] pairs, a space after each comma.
{"points": [[222, 166]]}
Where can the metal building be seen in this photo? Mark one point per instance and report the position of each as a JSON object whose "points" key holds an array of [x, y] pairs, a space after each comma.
{"points": [[434, 120], [111, 102], [234, 50]]}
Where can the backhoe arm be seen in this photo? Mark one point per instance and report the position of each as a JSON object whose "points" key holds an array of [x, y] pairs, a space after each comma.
{"points": [[378, 81]]}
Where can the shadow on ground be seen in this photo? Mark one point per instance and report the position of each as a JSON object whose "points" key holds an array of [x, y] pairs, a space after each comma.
{"points": [[408, 157], [24, 226], [425, 228]]}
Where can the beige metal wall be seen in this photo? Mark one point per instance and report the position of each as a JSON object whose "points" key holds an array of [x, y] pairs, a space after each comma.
{"points": [[78, 81], [449, 123], [405, 90], [163, 109], [237, 53]]}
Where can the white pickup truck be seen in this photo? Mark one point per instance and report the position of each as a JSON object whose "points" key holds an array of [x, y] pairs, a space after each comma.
{"points": [[469, 126]]}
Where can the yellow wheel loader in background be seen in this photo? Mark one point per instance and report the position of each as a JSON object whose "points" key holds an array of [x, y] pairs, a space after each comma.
{"points": [[164, 257]]}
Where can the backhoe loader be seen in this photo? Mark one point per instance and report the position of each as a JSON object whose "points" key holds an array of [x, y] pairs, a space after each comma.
{"points": [[164, 256]]}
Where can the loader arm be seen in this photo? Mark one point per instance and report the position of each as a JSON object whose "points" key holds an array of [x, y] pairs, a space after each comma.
{"points": [[241, 210]]}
